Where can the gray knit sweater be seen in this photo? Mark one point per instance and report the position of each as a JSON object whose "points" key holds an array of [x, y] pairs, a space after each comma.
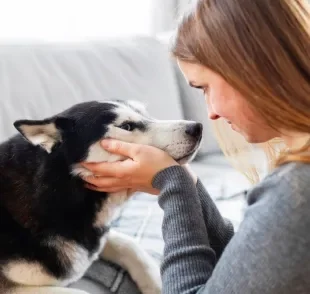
{"points": [[270, 253]]}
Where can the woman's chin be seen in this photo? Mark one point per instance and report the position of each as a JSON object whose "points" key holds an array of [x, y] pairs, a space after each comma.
{"points": [[254, 137]]}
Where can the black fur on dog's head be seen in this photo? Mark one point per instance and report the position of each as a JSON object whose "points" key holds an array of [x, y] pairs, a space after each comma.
{"points": [[76, 132]]}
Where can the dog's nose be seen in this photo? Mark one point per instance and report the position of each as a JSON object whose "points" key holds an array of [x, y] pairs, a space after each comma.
{"points": [[194, 130]]}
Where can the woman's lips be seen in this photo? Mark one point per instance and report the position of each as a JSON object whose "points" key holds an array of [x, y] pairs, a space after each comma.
{"points": [[231, 125]]}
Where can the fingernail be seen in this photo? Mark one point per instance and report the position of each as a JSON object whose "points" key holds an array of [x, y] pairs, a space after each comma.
{"points": [[105, 143], [89, 186], [85, 164]]}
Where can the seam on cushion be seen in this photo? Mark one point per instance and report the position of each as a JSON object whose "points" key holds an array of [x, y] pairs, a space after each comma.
{"points": [[145, 222], [118, 280]]}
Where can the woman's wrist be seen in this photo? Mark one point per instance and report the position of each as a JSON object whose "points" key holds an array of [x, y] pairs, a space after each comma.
{"points": [[175, 174], [191, 173]]}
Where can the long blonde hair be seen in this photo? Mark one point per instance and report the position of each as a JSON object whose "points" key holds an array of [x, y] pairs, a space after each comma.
{"points": [[262, 49]]}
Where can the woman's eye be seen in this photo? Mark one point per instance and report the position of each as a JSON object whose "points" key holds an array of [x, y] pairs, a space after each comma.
{"points": [[205, 89], [127, 127]]}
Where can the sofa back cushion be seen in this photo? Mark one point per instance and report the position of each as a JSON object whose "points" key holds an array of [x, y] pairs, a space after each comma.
{"points": [[41, 79]]}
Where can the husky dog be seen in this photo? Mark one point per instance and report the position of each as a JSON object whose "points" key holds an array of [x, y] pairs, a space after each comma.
{"points": [[52, 228]]}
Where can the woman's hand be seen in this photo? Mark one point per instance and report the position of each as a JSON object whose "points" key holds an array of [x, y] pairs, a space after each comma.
{"points": [[135, 173]]}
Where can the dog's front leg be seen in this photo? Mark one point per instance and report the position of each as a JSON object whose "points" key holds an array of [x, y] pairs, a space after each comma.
{"points": [[127, 253]]}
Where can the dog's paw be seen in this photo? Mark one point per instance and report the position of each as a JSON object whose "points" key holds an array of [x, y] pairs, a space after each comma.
{"points": [[128, 253], [149, 280], [151, 283]]}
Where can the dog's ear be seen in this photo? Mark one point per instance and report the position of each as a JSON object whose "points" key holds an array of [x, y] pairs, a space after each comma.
{"points": [[46, 133]]}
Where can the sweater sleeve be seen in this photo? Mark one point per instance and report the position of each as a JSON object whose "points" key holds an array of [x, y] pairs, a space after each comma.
{"points": [[220, 230], [187, 248], [269, 253]]}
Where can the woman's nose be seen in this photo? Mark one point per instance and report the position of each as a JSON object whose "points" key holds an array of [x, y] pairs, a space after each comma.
{"points": [[211, 113], [213, 116]]}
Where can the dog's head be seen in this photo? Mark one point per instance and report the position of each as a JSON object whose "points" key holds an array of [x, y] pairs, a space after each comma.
{"points": [[77, 132]]}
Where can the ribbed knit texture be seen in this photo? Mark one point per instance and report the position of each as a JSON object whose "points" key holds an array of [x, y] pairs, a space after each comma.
{"points": [[270, 253]]}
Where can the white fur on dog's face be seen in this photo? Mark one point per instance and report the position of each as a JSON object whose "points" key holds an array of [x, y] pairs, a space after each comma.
{"points": [[168, 135]]}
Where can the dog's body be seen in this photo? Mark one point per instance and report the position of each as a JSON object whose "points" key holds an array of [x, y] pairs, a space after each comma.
{"points": [[52, 228]]}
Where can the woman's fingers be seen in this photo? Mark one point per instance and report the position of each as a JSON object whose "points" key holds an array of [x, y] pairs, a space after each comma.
{"points": [[107, 182], [130, 150], [152, 191], [118, 169], [107, 190], [114, 185], [136, 172]]}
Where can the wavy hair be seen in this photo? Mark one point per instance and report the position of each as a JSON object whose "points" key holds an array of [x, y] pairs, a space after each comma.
{"points": [[262, 49]]}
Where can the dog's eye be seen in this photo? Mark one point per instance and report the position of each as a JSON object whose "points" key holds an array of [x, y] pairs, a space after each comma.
{"points": [[127, 126]]}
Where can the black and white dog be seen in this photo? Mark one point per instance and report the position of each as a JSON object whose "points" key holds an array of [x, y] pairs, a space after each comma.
{"points": [[51, 227]]}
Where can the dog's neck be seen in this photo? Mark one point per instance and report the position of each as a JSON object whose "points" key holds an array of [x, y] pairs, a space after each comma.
{"points": [[48, 181]]}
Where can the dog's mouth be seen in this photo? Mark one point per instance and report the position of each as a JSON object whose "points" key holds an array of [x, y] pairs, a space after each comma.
{"points": [[184, 159]]}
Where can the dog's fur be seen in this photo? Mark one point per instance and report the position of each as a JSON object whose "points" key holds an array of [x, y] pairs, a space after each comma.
{"points": [[51, 227]]}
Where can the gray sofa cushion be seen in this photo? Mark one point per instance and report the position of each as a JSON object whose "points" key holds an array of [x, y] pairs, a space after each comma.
{"points": [[37, 80]]}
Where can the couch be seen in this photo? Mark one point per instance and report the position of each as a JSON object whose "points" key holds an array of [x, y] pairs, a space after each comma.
{"points": [[40, 79]]}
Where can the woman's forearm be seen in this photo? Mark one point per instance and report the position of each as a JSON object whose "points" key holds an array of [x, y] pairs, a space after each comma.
{"points": [[220, 230], [188, 257], [264, 257]]}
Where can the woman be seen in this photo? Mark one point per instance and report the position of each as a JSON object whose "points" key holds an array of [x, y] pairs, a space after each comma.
{"points": [[251, 60]]}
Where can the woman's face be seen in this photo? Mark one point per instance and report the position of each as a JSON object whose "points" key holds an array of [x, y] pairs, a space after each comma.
{"points": [[225, 102]]}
